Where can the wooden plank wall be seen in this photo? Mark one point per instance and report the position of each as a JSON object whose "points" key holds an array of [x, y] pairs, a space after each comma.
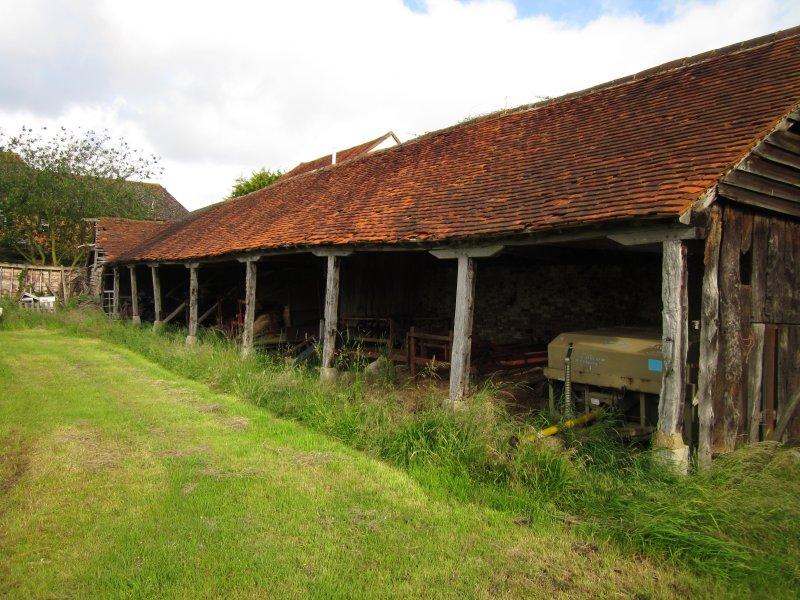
{"points": [[758, 367], [39, 280]]}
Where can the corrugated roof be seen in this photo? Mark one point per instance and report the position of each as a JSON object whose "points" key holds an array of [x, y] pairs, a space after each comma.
{"points": [[644, 146]]}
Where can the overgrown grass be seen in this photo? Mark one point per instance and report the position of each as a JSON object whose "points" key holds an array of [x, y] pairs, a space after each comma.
{"points": [[738, 522]]}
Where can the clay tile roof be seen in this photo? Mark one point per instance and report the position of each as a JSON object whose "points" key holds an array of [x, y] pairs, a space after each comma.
{"points": [[641, 147], [163, 204], [341, 155], [116, 236]]}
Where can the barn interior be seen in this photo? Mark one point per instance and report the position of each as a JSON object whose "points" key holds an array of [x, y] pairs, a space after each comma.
{"points": [[400, 305]]}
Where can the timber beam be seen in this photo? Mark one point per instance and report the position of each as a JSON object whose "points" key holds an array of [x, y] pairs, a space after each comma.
{"points": [[668, 439], [328, 252], [460, 358], [328, 371], [655, 235], [709, 338], [156, 296], [470, 252], [175, 312], [251, 274], [136, 319], [191, 339], [461, 355], [115, 299]]}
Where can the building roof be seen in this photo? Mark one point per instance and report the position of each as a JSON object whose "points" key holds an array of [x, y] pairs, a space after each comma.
{"points": [[164, 206], [342, 155], [646, 146], [115, 236]]}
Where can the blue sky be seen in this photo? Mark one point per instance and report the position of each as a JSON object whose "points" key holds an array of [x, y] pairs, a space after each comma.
{"points": [[581, 12]]}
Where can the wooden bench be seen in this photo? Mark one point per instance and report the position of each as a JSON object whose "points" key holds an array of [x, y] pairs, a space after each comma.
{"points": [[424, 348]]}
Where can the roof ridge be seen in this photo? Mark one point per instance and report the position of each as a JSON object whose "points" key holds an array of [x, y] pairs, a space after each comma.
{"points": [[136, 220], [369, 144], [283, 179]]}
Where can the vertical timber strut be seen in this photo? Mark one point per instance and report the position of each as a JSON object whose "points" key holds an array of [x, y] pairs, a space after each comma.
{"points": [[115, 299], [156, 296], [331, 317], [191, 339], [462, 329], [462, 320], [675, 333], [250, 306], [709, 338], [136, 319]]}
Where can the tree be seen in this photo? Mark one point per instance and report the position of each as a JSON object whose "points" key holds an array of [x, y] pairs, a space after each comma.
{"points": [[256, 181], [51, 183]]}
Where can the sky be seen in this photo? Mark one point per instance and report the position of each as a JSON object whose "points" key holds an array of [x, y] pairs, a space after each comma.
{"points": [[218, 89]]}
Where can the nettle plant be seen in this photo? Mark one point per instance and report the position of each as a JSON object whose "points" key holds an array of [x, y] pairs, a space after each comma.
{"points": [[52, 181]]}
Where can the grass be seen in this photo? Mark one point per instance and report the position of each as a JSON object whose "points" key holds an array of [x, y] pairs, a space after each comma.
{"points": [[731, 531]]}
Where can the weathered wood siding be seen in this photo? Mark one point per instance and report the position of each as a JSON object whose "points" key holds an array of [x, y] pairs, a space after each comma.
{"points": [[758, 360], [40, 280]]}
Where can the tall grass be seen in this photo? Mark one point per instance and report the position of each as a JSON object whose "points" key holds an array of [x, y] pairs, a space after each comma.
{"points": [[738, 521]]}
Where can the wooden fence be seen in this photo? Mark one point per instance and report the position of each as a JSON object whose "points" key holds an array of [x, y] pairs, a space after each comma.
{"points": [[40, 280]]}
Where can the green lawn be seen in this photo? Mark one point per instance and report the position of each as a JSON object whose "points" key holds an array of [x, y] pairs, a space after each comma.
{"points": [[119, 478]]}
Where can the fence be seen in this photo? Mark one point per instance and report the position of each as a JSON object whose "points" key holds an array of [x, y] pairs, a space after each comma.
{"points": [[40, 280]]}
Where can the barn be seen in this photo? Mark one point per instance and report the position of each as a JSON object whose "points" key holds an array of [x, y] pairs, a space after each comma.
{"points": [[667, 200]]}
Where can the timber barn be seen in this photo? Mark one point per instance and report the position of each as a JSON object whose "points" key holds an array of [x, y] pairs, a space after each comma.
{"points": [[665, 201]]}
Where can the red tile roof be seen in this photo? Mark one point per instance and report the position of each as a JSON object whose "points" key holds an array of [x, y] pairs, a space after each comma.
{"points": [[116, 236], [163, 205], [341, 156], [645, 146]]}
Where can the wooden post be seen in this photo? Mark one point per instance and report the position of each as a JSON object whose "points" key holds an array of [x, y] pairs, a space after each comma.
{"points": [[709, 338], [115, 299], [675, 334], [331, 318], [64, 286], [754, 378], [156, 297], [461, 352], [191, 339], [136, 319], [250, 306], [462, 329]]}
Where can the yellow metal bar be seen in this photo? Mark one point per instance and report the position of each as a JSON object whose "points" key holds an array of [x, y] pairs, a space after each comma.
{"points": [[568, 424]]}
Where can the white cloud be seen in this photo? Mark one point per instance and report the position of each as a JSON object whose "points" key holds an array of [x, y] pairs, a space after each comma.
{"points": [[218, 89]]}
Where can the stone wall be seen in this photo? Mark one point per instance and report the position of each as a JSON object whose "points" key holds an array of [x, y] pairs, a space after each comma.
{"points": [[519, 300]]}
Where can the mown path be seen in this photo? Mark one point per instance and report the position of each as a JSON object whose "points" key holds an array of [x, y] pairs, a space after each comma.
{"points": [[118, 478]]}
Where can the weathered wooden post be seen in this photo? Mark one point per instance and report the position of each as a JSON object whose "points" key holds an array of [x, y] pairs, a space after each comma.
{"points": [[156, 297], [191, 339], [250, 305], [64, 286], [462, 329], [328, 371], [668, 439], [115, 293], [709, 338], [331, 317], [136, 319], [460, 357]]}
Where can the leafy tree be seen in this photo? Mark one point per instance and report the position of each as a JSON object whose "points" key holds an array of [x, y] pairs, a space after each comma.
{"points": [[51, 183], [256, 181]]}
